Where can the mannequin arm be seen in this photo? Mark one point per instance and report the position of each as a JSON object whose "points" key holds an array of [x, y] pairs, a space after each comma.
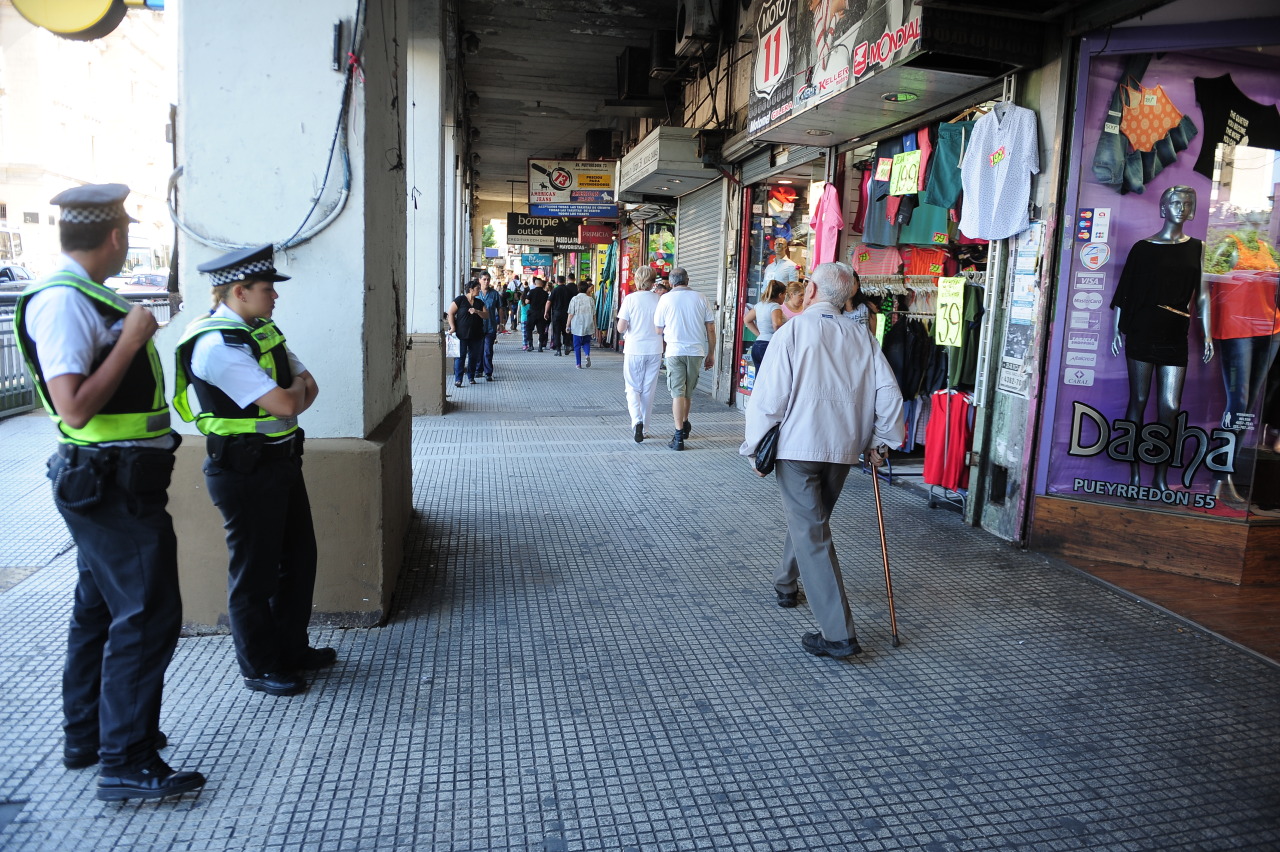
{"points": [[1206, 323], [1117, 339]]}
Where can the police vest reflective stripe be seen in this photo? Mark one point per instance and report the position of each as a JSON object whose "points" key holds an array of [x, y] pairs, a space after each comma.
{"points": [[137, 410], [218, 413]]}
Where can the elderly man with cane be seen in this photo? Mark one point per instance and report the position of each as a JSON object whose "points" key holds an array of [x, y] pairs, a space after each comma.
{"points": [[829, 386]]}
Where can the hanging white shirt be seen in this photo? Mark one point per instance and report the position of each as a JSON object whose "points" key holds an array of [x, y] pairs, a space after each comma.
{"points": [[1002, 155]]}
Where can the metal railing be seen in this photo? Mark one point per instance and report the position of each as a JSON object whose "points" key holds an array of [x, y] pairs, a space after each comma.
{"points": [[17, 393]]}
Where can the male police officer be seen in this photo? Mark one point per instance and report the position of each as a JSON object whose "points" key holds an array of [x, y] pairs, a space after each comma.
{"points": [[251, 389], [97, 373]]}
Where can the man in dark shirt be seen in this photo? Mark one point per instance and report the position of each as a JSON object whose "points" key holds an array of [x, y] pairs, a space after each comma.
{"points": [[537, 301], [558, 312]]}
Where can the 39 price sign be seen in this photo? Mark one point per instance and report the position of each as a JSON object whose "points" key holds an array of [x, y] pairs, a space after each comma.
{"points": [[950, 311]]}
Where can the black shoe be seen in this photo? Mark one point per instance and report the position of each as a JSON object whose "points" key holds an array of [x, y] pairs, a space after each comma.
{"points": [[155, 782], [542, 349], [316, 658], [686, 428], [488, 378], [457, 384], [639, 436], [284, 683], [471, 381], [559, 352], [677, 441], [82, 757], [819, 647], [787, 600]]}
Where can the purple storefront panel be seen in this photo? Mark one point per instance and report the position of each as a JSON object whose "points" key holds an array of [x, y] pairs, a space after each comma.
{"points": [[1088, 386]]}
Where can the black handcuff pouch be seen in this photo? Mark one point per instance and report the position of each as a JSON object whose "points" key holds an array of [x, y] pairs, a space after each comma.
{"points": [[145, 471], [239, 453]]}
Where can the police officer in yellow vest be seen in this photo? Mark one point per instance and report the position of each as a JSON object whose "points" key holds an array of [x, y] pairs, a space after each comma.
{"points": [[98, 375], [250, 390]]}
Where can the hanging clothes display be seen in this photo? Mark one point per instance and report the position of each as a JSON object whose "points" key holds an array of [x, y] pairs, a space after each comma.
{"points": [[942, 187], [948, 439], [826, 224], [871, 260], [878, 229], [996, 174], [1232, 118]]}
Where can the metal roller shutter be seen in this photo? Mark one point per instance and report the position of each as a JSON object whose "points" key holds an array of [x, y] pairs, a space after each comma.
{"points": [[760, 166], [700, 236]]}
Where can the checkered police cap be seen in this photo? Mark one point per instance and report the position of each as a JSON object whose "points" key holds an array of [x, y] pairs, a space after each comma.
{"points": [[93, 203], [257, 264]]}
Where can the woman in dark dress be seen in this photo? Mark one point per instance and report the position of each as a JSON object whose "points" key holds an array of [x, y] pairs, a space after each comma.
{"points": [[1153, 308]]}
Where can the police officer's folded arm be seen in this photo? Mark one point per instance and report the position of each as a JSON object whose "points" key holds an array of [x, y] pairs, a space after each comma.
{"points": [[77, 398], [290, 401]]}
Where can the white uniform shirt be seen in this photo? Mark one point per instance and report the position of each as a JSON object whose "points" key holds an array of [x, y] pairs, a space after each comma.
{"points": [[1002, 155], [783, 269], [638, 309], [68, 331], [827, 382], [683, 314], [231, 368], [70, 335]]}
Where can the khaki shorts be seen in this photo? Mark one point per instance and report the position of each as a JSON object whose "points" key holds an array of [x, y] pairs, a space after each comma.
{"points": [[682, 374]]}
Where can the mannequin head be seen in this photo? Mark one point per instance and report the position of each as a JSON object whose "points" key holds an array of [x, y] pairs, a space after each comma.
{"points": [[1178, 204]]}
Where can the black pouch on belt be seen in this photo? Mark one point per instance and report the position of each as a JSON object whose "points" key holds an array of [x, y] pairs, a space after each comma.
{"points": [[145, 471], [239, 453], [79, 484]]}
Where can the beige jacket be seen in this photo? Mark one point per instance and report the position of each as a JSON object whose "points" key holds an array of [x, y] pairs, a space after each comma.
{"points": [[826, 380]]}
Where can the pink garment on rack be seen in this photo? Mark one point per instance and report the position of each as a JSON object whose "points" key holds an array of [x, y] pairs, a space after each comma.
{"points": [[864, 202], [826, 223]]}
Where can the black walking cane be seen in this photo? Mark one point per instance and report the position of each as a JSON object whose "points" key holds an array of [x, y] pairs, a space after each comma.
{"points": [[884, 552]]}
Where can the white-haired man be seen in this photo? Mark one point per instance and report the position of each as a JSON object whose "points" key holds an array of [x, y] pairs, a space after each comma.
{"points": [[827, 382]]}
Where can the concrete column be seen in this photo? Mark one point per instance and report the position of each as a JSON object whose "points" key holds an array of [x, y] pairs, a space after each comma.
{"points": [[427, 209], [255, 128]]}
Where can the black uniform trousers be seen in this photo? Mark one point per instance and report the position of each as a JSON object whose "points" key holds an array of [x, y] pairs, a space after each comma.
{"points": [[124, 622], [537, 325], [272, 545], [559, 336]]}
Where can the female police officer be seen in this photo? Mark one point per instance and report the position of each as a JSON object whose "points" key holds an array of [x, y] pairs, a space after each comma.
{"points": [[250, 389]]}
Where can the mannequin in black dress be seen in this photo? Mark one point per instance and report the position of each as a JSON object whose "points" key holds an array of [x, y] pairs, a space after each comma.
{"points": [[1161, 277]]}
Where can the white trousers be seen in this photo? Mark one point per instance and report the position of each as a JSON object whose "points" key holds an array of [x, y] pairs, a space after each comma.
{"points": [[641, 375]]}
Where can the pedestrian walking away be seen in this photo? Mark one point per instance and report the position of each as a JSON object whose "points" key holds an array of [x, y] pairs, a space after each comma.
{"points": [[492, 299], [642, 349], [536, 300], [687, 325], [582, 324], [97, 373], [249, 389], [466, 317], [557, 312], [830, 387]]}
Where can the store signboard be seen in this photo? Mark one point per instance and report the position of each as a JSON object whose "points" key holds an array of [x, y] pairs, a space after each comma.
{"points": [[535, 260], [1148, 410], [595, 234], [573, 188], [809, 52]]}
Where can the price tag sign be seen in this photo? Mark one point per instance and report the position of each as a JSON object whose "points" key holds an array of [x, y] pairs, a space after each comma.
{"points": [[950, 311], [904, 179]]}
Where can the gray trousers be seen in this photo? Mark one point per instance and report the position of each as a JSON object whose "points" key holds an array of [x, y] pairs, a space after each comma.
{"points": [[809, 493]]}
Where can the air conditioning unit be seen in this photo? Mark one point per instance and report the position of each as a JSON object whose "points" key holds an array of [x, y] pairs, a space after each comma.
{"points": [[633, 74], [695, 25], [662, 53]]}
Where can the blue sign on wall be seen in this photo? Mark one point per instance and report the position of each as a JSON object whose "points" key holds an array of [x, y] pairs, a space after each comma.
{"points": [[593, 211], [535, 260]]}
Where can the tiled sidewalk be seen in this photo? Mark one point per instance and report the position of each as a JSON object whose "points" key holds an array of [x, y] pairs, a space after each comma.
{"points": [[584, 654]]}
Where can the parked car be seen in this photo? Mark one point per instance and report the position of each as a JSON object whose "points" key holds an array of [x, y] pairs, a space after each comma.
{"points": [[14, 278], [145, 284]]}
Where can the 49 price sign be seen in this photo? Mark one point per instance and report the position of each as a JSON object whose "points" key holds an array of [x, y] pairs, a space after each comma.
{"points": [[950, 311]]}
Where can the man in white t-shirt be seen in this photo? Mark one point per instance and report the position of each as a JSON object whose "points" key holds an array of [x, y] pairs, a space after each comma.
{"points": [[642, 353], [783, 268], [687, 325]]}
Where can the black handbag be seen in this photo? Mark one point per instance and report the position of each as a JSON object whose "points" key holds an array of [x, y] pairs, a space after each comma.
{"points": [[767, 451]]}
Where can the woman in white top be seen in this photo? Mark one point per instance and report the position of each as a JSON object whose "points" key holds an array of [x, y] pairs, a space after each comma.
{"points": [[582, 323], [642, 352], [764, 319]]}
